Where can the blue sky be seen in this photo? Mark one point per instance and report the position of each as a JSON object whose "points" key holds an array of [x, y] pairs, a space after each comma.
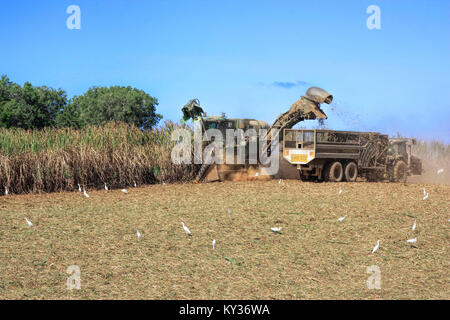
{"points": [[246, 58]]}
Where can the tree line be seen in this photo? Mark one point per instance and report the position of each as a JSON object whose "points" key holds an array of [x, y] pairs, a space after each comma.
{"points": [[32, 107]]}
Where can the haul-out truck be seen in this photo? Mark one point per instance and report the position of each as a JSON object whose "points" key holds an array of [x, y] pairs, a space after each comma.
{"points": [[328, 155]]}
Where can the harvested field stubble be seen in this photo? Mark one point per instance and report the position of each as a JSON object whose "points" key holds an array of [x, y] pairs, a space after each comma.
{"points": [[314, 257]]}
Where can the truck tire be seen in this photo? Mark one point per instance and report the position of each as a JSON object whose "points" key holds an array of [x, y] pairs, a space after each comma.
{"points": [[400, 171], [335, 172], [351, 172]]}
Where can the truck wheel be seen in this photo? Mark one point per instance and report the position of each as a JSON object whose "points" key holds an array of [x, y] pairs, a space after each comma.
{"points": [[351, 172], [335, 172], [400, 171]]}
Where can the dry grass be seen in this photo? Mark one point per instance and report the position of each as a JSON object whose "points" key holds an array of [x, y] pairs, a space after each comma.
{"points": [[435, 155], [315, 257]]}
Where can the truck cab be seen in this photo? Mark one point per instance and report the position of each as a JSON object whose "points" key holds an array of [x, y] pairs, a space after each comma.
{"points": [[400, 149]]}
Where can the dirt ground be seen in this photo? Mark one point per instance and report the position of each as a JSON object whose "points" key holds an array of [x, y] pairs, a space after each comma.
{"points": [[314, 257]]}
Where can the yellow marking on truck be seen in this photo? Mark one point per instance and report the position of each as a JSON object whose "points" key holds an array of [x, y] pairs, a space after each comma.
{"points": [[299, 157]]}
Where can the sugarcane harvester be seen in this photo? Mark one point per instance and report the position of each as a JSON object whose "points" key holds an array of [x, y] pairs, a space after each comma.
{"points": [[306, 108]]}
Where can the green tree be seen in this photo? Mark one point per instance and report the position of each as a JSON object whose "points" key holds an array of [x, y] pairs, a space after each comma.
{"points": [[29, 107], [7, 89], [69, 117], [100, 105]]}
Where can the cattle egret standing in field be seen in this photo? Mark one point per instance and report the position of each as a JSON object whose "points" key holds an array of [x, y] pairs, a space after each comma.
{"points": [[164, 183], [412, 240], [256, 174], [30, 224], [342, 218], [340, 190], [186, 229], [440, 171], [214, 243], [138, 233], [124, 191], [134, 184], [6, 191], [106, 188], [279, 181], [425, 194], [376, 246], [85, 193], [414, 226], [79, 188], [229, 211], [276, 229]]}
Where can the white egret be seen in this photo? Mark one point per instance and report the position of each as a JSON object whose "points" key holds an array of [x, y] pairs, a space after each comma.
{"points": [[106, 187], [425, 197], [186, 229], [134, 184], [342, 218], [79, 188], [6, 191], [376, 246], [30, 224], [85, 193], [340, 190], [214, 243], [412, 240], [276, 229], [229, 211], [124, 191], [440, 171], [414, 226], [138, 233]]}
